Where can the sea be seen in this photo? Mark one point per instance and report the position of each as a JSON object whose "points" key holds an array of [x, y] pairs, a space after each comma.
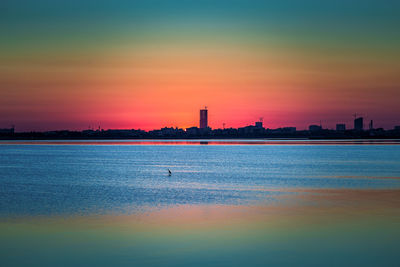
{"points": [[255, 202]]}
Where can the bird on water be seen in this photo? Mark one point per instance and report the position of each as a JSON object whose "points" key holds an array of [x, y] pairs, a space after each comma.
{"points": [[169, 172]]}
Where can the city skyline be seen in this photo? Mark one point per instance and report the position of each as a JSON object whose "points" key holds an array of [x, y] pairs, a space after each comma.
{"points": [[150, 64], [204, 123], [358, 125]]}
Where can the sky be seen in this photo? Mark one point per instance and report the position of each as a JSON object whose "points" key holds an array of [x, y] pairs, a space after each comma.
{"points": [[148, 64]]}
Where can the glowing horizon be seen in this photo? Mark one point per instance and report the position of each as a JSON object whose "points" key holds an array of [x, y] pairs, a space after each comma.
{"points": [[153, 64]]}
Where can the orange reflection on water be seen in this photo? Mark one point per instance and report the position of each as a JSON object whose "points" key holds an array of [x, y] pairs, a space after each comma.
{"points": [[306, 208]]}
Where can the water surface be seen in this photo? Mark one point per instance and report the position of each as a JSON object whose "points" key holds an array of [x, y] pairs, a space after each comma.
{"points": [[235, 202]]}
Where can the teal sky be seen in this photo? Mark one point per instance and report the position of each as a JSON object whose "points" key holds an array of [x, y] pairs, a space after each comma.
{"points": [[331, 22]]}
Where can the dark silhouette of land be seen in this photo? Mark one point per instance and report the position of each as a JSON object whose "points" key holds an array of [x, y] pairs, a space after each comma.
{"points": [[205, 133]]}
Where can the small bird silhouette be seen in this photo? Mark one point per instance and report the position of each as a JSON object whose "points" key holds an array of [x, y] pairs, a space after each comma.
{"points": [[169, 172]]}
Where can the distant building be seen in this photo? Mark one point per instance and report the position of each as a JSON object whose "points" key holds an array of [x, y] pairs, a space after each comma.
{"points": [[290, 130], [203, 118], [371, 125], [247, 129], [7, 131], [341, 127], [259, 124], [192, 131], [314, 128], [167, 131], [397, 128], [359, 124], [156, 133], [205, 131]]}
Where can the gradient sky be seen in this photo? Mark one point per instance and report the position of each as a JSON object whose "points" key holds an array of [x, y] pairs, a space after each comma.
{"points": [[148, 64]]}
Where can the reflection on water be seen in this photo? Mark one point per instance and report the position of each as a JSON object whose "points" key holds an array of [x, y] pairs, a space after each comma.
{"points": [[243, 205], [208, 142], [333, 227]]}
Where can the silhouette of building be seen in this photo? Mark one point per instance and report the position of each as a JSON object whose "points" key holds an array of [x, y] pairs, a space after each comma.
{"points": [[341, 127], [259, 124], [192, 131], [359, 124], [203, 118], [314, 128], [247, 130], [288, 130], [7, 131], [371, 125]]}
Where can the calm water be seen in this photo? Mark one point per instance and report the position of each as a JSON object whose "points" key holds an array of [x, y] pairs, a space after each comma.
{"points": [[226, 203]]}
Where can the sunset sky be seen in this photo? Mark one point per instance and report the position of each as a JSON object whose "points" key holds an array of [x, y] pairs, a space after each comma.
{"points": [[148, 64]]}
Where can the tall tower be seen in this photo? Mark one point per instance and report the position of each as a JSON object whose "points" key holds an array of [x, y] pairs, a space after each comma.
{"points": [[203, 118], [359, 124]]}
